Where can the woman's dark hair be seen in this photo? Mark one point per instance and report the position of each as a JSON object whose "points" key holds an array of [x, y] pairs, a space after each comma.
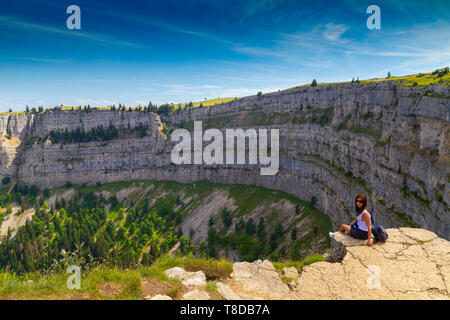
{"points": [[364, 203]]}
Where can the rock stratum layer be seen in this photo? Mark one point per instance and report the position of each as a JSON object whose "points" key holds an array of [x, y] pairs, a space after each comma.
{"points": [[382, 139]]}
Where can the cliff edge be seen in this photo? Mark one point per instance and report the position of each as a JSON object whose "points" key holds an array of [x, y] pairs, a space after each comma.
{"points": [[412, 264]]}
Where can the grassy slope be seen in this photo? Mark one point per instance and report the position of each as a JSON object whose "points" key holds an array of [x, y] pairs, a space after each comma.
{"points": [[419, 79], [112, 283], [210, 103]]}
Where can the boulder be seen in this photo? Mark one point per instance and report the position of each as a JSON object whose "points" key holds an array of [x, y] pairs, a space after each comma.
{"points": [[290, 272], [226, 292], [412, 264], [196, 295], [189, 279], [258, 278], [158, 297], [339, 243]]}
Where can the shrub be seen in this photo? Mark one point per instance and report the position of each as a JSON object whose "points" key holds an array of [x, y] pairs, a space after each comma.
{"points": [[294, 234], [6, 180], [343, 124], [250, 226], [46, 193], [227, 219], [113, 201], [313, 201]]}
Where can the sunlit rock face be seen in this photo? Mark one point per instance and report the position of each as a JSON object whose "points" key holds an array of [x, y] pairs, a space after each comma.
{"points": [[412, 264], [381, 139]]}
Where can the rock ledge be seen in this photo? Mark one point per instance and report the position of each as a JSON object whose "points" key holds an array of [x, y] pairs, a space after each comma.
{"points": [[412, 264]]}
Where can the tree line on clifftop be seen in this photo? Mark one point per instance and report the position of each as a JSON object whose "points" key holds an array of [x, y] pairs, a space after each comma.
{"points": [[164, 109], [98, 133]]}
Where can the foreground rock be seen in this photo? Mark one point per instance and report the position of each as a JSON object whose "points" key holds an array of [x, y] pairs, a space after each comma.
{"points": [[412, 264], [257, 280], [189, 279], [196, 295], [290, 272], [158, 297], [226, 292]]}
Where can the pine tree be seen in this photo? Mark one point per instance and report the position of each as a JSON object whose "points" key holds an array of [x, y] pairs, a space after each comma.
{"points": [[261, 232], [227, 219], [294, 234], [250, 226]]}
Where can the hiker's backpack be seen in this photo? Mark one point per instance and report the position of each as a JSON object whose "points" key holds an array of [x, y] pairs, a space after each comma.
{"points": [[378, 231]]}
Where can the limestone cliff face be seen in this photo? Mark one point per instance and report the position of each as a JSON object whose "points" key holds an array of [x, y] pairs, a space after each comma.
{"points": [[381, 139], [48, 164]]}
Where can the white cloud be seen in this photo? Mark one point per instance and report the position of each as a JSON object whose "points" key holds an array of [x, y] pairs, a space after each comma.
{"points": [[256, 51], [17, 24], [5, 105], [333, 32], [182, 88], [96, 102], [45, 60], [243, 91]]}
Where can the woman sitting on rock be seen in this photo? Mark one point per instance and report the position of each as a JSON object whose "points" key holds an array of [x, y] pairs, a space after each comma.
{"points": [[361, 228]]}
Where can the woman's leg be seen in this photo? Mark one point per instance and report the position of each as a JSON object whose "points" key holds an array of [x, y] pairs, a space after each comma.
{"points": [[344, 228]]}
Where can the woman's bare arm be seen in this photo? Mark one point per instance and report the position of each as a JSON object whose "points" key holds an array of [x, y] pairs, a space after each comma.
{"points": [[366, 219]]}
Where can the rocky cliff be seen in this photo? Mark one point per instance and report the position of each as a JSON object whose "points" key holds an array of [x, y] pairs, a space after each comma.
{"points": [[412, 264], [382, 139]]}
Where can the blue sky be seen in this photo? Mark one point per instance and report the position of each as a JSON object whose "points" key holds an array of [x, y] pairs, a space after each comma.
{"points": [[132, 52]]}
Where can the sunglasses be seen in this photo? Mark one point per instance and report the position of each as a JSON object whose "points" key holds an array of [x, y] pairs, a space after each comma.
{"points": [[359, 201]]}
